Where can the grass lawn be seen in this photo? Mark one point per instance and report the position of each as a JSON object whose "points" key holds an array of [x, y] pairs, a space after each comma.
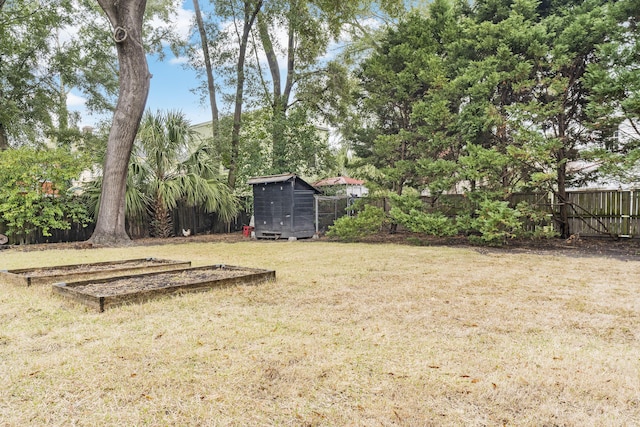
{"points": [[349, 334]]}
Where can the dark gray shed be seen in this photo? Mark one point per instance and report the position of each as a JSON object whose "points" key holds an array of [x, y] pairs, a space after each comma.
{"points": [[283, 207]]}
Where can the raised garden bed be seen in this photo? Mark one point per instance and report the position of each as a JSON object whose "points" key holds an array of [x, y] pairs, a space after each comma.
{"points": [[111, 292], [96, 270]]}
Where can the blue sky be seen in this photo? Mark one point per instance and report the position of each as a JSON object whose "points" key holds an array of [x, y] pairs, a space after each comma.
{"points": [[171, 87]]}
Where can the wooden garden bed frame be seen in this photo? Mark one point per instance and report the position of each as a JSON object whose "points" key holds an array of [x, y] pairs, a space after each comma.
{"points": [[99, 302], [96, 270]]}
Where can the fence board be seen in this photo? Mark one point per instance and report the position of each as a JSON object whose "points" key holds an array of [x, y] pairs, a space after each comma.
{"points": [[604, 212]]}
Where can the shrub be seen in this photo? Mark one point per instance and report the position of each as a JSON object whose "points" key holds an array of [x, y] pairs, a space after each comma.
{"points": [[35, 193], [434, 224], [540, 221], [368, 221], [496, 222], [408, 212]]}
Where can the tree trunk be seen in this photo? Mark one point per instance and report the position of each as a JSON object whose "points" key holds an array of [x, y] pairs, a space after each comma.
{"points": [[126, 18], [209, 70], [4, 138], [161, 223], [249, 19], [561, 180], [563, 214], [280, 102]]}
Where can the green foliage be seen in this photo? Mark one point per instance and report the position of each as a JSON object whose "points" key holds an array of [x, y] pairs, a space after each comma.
{"points": [[406, 101], [301, 147], [496, 222], [538, 219], [169, 166], [465, 223], [34, 191], [369, 220], [27, 91], [408, 211], [499, 98], [433, 224], [40, 65]]}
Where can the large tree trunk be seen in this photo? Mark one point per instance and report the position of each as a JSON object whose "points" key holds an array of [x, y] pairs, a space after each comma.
{"points": [[280, 102], [249, 19], [126, 19], [209, 70]]}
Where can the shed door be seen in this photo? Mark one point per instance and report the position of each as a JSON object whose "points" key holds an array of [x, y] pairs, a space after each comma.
{"points": [[273, 207]]}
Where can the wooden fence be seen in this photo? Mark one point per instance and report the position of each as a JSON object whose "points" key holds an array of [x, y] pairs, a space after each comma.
{"points": [[604, 213], [193, 219], [613, 213]]}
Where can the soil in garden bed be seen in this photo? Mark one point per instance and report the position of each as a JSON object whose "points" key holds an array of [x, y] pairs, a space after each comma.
{"points": [[129, 285], [112, 292], [76, 272], [93, 267]]}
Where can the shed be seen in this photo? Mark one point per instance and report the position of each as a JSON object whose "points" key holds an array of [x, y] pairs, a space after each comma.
{"points": [[283, 207]]}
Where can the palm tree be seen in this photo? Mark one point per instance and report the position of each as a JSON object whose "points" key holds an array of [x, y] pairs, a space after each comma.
{"points": [[170, 165], [173, 168]]}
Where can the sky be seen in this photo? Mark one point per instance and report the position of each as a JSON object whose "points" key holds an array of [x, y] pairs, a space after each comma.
{"points": [[171, 83]]}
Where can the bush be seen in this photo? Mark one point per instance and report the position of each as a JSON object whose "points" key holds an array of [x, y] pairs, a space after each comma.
{"points": [[415, 221], [540, 221], [368, 221], [408, 212], [496, 222], [35, 193]]}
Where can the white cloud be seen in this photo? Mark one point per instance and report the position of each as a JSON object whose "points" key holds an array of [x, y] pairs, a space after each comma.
{"points": [[180, 22], [279, 39], [183, 22], [178, 60], [75, 100]]}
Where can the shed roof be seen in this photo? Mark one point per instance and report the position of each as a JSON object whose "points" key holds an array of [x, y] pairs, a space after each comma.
{"points": [[285, 177], [339, 180], [271, 178]]}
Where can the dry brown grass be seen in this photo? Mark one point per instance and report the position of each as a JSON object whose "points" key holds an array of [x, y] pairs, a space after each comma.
{"points": [[353, 334]]}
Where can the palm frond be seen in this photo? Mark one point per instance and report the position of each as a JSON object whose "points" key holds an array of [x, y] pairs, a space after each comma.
{"points": [[212, 194], [167, 167]]}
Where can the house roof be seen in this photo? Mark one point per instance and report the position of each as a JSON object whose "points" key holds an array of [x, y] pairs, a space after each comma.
{"points": [[339, 180]]}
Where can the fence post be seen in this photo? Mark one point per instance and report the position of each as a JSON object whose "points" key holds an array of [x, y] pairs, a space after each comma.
{"points": [[315, 199], [625, 214]]}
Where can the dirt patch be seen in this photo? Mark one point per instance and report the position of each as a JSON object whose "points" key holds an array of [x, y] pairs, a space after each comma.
{"points": [[76, 272], [129, 285], [622, 249], [111, 292]]}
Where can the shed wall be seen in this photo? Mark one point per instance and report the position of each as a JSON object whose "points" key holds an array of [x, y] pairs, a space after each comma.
{"points": [[283, 210]]}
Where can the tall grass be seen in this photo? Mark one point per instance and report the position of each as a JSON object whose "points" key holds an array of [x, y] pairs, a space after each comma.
{"points": [[348, 335]]}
